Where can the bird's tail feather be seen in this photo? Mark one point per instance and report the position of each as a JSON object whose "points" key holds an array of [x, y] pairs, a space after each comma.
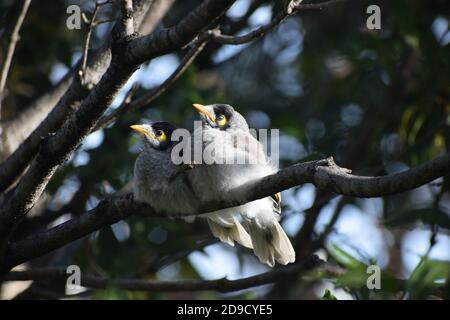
{"points": [[271, 244], [229, 231]]}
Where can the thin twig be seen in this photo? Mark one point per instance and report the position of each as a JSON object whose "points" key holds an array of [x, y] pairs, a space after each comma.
{"points": [[90, 25], [334, 218], [11, 48], [250, 36], [317, 6], [292, 8]]}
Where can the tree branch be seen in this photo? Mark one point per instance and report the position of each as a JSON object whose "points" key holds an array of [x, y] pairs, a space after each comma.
{"points": [[126, 20], [334, 218], [14, 131], [293, 7], [17, 162], [324, 174], [153, 17], [14, 38], [15, 204], [196, 48], [170, 39], [90, 26], [316, 6], [14, 165], [66, 104], [220, 285], [150, 96]]}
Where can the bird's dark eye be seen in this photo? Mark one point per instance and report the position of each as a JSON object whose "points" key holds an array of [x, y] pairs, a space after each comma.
{"points": [[160, 135], [221, 120]]}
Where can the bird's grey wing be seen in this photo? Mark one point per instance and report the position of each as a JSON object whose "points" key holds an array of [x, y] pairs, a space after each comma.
{"points": [[180, 172], [181, 169], [249, 144]]}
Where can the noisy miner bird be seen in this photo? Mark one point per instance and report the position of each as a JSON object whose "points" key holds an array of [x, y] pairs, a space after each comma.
{"points": [[225, 131], [165, 186]]}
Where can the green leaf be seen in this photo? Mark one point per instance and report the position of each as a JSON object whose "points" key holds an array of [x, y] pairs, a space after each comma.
{"points": [[344, 258], [427, 276], [353, 279], [328, 295]]}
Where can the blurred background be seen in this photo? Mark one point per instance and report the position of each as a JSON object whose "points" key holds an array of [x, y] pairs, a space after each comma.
{"points": [[378, 101]]}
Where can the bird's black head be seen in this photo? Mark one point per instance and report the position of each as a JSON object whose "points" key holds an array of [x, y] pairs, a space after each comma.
{"points": [[157, 135], [221, 116]]}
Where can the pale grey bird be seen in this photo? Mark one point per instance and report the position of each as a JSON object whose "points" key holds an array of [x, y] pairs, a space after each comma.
{"points": [[226, 132], [165, 186]]}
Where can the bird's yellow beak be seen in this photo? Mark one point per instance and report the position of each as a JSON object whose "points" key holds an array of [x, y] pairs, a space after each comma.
{"points": [[142, 130], [202, 110]]}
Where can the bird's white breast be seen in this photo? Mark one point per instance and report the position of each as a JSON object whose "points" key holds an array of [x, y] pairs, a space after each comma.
{"points": [[215, 180]]}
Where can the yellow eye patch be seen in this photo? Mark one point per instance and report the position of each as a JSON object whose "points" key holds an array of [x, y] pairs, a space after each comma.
{"points": [[221, 120], [160, 136]]}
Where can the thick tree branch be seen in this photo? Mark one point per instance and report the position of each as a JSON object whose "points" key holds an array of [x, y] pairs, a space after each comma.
{"points": [[220, 285], [325, 174]]}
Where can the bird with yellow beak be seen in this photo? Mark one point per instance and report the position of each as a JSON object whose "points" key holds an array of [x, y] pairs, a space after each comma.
{"points": [[225, 131], [167, 188]]}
